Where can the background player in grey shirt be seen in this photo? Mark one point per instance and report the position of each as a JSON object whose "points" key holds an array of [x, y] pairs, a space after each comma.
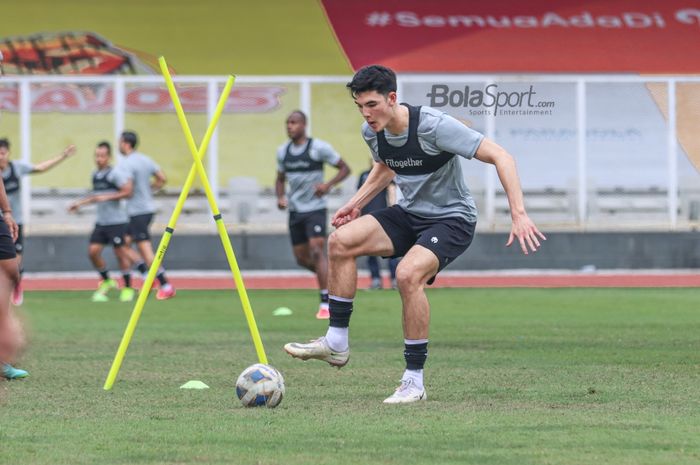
{"points": [[141, 207], [12, 173], [300, 163], [433, 224], [110, 187]]}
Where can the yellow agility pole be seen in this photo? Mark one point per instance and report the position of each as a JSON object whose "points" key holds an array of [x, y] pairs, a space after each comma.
{"points": [[162, 247], [220, 226]]}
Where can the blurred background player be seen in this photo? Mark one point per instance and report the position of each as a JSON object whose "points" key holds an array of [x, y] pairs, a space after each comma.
{"points": [[300, 162], [109, 187], [384, 199], [140, 207], [11, 336], [10, 333], [12, 172]]}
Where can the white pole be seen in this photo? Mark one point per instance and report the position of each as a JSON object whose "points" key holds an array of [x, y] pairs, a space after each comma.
{"points": [[25, 144], [581, 151], [119, 112], [305, 102], [490, 181], [672, 156], [213, 151]]}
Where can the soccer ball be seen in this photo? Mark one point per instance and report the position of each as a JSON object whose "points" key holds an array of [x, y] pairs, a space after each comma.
{"points": [[260, 385]]}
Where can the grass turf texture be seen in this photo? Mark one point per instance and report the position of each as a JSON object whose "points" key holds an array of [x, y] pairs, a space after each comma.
{"points": [[513, 377]]}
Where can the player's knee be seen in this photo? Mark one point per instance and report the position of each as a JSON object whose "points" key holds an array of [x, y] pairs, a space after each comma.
{"points": [[407, 278], [317, 252], [338, 245], [94, 252], [302, 261], [13, 276]]}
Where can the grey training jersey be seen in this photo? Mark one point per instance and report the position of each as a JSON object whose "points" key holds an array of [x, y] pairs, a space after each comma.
{"points": [[107, 181], [12, 178], [303, 180], [442, 193], [139, 168]]}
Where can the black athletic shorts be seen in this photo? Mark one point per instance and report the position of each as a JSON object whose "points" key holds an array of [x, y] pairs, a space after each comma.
{"points": [[19, 243], [112, 234], [138, 227], [304, 226], [7, 245], [447, 238]]}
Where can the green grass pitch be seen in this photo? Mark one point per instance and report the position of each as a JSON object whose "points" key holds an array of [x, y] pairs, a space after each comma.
{"points": [[527, 376]]}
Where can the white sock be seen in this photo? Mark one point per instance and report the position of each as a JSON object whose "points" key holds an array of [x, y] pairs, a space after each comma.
{"points": [[337, 338], [415, 375]]}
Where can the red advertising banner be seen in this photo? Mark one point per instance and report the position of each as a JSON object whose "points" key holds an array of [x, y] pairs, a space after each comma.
{"points": [[652, 37], [139, 99]]}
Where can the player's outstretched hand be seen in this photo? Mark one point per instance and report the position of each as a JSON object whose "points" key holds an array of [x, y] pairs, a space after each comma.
{"points": [[68, 151], [344, 215], [527, 233]]}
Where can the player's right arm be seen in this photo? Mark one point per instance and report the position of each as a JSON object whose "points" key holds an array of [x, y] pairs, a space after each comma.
{"points": [[378, 179], [279, 190], [124, 192]]}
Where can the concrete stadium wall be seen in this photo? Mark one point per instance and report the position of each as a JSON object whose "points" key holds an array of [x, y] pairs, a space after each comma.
{"points": [[605, 250]]}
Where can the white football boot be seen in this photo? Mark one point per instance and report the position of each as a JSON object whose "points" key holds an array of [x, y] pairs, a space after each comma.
{"points": [[318, 349], [406, 393]]}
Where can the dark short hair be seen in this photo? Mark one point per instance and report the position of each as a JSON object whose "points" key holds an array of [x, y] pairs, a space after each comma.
{"points": [[4, 142], [300, 113], [130, 138], [106, 145], [373, 77]]}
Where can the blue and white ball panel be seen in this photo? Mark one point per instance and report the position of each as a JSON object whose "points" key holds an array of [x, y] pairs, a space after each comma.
{"points": [[260, 385]]}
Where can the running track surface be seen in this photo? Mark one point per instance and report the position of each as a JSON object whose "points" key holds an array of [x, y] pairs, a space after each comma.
{"points": [[281, 280]]}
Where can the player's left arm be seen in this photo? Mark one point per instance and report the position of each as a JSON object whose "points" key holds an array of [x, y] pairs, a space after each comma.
{"points": [[327, 154], [125, 191], [343, 172], [391, 194], [159, 180], [51, 162], [523, 227]]}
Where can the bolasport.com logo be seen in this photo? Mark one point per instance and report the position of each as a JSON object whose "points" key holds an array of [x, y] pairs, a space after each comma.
{"points": [[490, 101]]}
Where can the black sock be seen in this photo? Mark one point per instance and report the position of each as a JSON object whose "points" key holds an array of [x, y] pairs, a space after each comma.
{"points": [[141, 266], [415, 355], [161, 277], [104, 273], [324, 296], [340, 313], [127, 278]]}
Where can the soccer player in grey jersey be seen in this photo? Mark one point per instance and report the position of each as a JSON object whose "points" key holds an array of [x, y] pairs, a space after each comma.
{"points": [[300, 163], [12, 173], [11, 335], [141, 207], [432, 225], [109, 189]]}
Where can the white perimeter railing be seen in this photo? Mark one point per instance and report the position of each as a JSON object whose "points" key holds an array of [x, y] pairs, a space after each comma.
{"points": [[305, 83]]}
